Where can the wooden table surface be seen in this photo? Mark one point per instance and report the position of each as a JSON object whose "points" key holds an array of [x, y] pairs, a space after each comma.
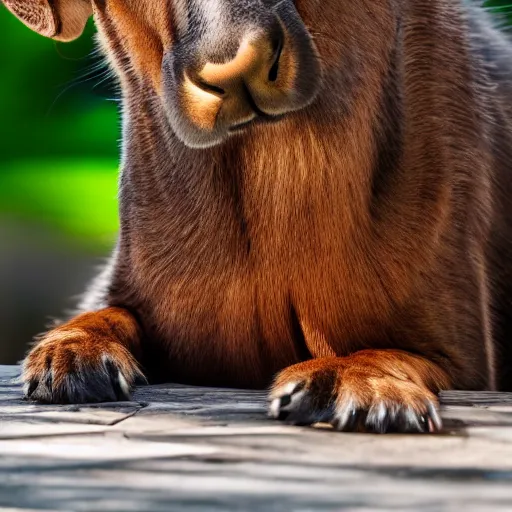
{"points": [[183, 448]]}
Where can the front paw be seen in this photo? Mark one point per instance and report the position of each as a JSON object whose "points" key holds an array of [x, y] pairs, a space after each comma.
{"points": [[79, 365], [354, 395]]}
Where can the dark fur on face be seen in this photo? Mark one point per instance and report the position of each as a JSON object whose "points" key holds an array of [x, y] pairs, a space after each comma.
{"points": [[359, 237]]}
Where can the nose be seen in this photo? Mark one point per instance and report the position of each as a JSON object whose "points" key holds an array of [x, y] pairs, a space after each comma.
{"points": [[255, 66], [258, 64], [251, 84]]}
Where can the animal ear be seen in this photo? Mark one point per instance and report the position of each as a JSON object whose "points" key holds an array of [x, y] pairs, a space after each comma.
{"points": [[63, 20]]}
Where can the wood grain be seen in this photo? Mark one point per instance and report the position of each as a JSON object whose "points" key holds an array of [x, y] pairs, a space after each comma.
{"points": [[185, 448]]}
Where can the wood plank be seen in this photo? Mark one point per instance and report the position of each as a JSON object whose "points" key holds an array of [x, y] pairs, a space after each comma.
{"points": [[475, 398], [19, 418], [99, 449], [188, 448], [13, 429], [218, 482], [106, 414]]}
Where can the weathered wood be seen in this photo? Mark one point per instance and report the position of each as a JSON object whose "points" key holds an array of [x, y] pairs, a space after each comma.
{"points": [[472, 398], [184, 448]]}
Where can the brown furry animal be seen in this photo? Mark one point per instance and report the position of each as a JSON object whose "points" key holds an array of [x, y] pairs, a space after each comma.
{"points": [[318, 188]]}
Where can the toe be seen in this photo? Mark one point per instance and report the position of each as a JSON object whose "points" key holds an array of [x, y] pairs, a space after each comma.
{"points": [[30, 387], [346, 416], [119, 386], [297, 404], [285, 399], [80, 381]]}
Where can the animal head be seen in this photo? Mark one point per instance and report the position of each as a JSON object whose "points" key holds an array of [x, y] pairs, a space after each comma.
{"points": [[216, 67]]}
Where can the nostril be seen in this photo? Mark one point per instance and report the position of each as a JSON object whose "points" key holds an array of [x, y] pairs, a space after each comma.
{"points": [[204, 85], [210, 87], [274, 70]]}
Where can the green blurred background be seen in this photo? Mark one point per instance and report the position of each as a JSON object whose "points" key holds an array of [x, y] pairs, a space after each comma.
{"points": [[59, 146]]}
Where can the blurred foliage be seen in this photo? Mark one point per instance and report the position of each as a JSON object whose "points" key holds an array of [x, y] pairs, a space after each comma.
{"points": [[77, 196], [504, 6], [59, 136], [59, 140]]}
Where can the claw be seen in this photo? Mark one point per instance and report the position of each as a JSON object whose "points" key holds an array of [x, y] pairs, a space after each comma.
{"points": [[118, 382], [287, 398], [412, 421], [306, 396], [435, 419], [377, 418], [345, 415], [274, 408]]}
